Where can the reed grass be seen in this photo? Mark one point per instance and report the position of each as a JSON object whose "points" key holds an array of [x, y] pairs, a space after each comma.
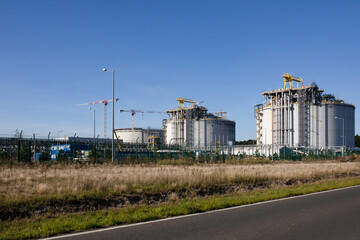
{"points": [[47, 181]]}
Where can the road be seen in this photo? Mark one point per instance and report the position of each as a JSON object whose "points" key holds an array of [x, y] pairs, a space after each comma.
{"points": [[326, 215]]}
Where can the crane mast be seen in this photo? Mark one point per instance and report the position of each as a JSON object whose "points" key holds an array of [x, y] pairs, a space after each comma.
{"points": [[105, 102], [132, 111]]}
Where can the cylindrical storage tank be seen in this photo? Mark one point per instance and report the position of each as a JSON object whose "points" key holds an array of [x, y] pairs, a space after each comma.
{"points": [[267, 126], [325, 123], [208, 132], [339, 122], [172, 132], [202, 132], [129, 135], [219, 131], [304, 117]]}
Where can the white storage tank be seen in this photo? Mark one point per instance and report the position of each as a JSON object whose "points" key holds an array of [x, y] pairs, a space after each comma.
{"points": [[139, 135], [194, 128], [305, 117]]}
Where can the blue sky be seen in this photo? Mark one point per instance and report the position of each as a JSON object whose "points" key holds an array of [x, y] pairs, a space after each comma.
{"points": [[224, 53]]}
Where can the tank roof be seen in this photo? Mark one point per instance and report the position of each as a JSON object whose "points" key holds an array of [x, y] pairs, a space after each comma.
{"points": [[293, 90], [137, 129]]}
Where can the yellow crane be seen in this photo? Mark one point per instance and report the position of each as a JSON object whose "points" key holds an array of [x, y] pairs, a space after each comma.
{"points": [[183, 100], [289, 78], [181, 107]]}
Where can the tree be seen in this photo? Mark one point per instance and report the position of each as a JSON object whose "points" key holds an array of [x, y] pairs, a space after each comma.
{"points": [[78, 154], [4, 155], [44, 156], [25, 152], [18, 133], [108, 153], [92, 153], [357, 141], [61, 157]]}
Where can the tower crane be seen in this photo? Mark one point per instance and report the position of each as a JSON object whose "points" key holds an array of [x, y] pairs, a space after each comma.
{"points": [[105, 102], [133, 111]]}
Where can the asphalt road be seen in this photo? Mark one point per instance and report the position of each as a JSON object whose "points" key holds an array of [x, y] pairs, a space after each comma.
{"points": [[327, 215]]}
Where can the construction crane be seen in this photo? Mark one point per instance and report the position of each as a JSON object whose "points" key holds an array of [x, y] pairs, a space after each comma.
{"points": [[183, 100], [182, 109], [289, 78], [132, 111], [105, 102]]}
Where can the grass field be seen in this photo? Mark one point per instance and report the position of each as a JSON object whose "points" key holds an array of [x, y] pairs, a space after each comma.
{"points": [[78, 197], [25, 182]]}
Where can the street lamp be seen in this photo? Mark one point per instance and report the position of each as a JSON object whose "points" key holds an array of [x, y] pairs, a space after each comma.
{"points": [[94, 121], [342, 150], [113, 102]]}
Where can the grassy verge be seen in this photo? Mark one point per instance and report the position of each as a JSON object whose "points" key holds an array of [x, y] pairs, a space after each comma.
{"points": [[49, 226]]}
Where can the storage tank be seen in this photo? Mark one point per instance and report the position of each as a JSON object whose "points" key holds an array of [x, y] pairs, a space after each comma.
{"points": [[195, 128], [304, 117], [139, 135]]}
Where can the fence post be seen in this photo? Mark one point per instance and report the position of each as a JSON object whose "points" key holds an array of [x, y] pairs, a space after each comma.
{"points": [[96, 155], [29, 152], [19, 150], [74, 150], [136, 156], [48, 147]]}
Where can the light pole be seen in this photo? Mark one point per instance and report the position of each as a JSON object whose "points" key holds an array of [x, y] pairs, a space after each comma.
{"points": [[343, 135], [94, 122], [113, 102]]}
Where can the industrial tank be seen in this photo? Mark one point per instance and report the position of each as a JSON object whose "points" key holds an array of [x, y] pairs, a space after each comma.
{"points": [[138, 135], [130, 135], [305, 117], [195, 128]]}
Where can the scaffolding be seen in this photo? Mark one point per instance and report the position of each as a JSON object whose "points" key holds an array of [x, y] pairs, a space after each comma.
{"points": [[281, 103], [183, 127], [192, 126], [259, 118]]}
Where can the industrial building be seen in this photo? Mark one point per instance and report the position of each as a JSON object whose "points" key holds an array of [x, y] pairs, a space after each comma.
{"points": [[194, 127], [303, 116], [139, 135]]}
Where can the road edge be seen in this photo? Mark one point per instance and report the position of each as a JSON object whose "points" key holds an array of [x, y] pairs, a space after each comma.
{"points": [[196, 214]]}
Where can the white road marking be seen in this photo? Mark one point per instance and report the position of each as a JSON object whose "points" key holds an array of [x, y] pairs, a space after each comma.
{"points": [[195, 214]]}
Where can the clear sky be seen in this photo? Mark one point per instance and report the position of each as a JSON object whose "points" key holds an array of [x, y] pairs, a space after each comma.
{"points": [[224, 53]]}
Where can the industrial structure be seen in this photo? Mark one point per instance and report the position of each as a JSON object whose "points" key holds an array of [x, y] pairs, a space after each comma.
{"points": [[303, 116], [132, 111], [105, 102], [139, 135], [194, 127]]}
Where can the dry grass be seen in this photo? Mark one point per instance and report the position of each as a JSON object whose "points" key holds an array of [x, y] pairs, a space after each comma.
{"points": [[26, 182]]}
